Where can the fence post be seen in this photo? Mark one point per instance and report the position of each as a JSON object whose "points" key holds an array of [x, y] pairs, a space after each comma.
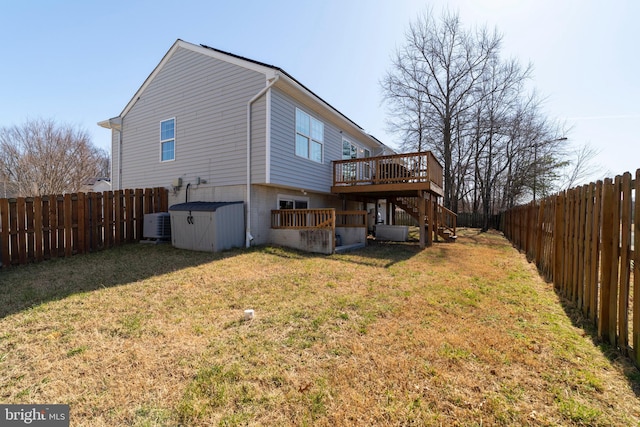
{"points": [[118, 210], [107, 197], [613, 295], [82, 223], [596, 251], [46, 226], [21, 230], [588, 264], [636, 273], [139, 215], [68, 230], [575, 232], [581, 245], [625, 273], [608, 205], [29, 230], [558, 233], [4, 232], [37, 228], [539, 234]]}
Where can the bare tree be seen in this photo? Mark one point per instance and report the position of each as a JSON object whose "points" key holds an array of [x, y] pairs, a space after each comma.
{"points": [[450, 91], [42, 157], [580, 168], [437, 74]]}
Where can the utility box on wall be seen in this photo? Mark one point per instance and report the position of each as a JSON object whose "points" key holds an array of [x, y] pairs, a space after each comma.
{"points": [[207, 226]]}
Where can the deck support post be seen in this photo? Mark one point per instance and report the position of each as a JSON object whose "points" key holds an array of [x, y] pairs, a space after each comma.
{"points": [[421, 220], [431, 217]]}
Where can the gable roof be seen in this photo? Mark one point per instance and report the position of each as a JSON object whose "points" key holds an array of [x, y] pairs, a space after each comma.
{"points": [[268, 70]]}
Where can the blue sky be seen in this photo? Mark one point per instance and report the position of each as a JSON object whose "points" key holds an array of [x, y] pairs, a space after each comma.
{"points": [[80, 62]]}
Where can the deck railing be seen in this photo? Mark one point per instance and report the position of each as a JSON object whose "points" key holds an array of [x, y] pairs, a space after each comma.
{"points": [[447, 219], [397, 168], [316, 218], [303, 218], [351, 219]]}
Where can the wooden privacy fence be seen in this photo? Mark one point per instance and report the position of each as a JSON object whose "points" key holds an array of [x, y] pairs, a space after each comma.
{"points": [[33, 229], [584, 239]]}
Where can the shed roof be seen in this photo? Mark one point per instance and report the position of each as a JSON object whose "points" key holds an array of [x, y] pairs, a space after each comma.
{"points": [[200, 206]]}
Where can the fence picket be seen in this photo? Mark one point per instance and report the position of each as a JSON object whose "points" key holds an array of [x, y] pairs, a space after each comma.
{"points": [[68, 221], [606, 259], [82, 223], [615, 268], [581, 245], [40, 228], [625, 248], [37, 229], [635, 327], [596, 249], [5, 255], [587, 241]]}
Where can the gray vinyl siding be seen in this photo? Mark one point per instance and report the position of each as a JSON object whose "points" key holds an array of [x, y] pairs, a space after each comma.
{"points": [[288, 169], [208, 98], [258, 141]]}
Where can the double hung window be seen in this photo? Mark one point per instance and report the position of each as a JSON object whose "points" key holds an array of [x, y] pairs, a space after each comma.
{"points": [[309, 136], [168, 140]]}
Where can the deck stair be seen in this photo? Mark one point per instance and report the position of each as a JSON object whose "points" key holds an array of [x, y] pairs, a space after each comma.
{"points": [[446, 230]]}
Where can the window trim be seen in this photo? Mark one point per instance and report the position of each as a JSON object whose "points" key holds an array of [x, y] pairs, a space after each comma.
{"points": [[360, 153], [163, 141], [294, 199], [310, 139]]}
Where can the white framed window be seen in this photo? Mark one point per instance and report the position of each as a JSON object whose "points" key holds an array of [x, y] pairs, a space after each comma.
{"points": [[168, 140], [309, 136], [350, 151], [291, 202]]}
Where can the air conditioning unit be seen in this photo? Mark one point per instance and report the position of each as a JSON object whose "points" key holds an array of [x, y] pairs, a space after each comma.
{"points": [[157, 226]]}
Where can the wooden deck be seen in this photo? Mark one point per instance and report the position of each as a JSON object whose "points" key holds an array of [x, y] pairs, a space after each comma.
{"points": [[411, 181], [397, 175]]}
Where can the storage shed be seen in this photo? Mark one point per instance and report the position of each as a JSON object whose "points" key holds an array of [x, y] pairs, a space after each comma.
{"points": [[207, 226]]}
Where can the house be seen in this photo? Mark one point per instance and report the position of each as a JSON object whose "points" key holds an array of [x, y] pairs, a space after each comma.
{"points": [[97, 185], [214, 126]]}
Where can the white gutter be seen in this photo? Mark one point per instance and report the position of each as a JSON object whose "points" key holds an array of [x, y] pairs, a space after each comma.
{"points": [[248, 236]]}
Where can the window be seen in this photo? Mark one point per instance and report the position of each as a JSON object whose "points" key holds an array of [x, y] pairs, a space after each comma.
{"points": [[309, 136], [168, 140], [357, 170], [349, 151], [293, 219], [291, 203]]}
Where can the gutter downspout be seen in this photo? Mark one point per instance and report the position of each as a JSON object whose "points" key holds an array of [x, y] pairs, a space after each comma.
{"points": [[119, 159], [248, 236]]}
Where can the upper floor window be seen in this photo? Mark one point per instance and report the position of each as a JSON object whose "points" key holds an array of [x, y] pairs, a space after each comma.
{"points": [[362, 170], [309, 136], [168, 140], [349, 150]]}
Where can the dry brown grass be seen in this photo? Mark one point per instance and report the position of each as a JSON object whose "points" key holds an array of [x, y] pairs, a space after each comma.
{"points": [[458, 334]]}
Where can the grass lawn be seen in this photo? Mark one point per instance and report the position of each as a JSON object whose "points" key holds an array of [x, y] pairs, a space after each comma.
{"points": [[456, 334]]}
